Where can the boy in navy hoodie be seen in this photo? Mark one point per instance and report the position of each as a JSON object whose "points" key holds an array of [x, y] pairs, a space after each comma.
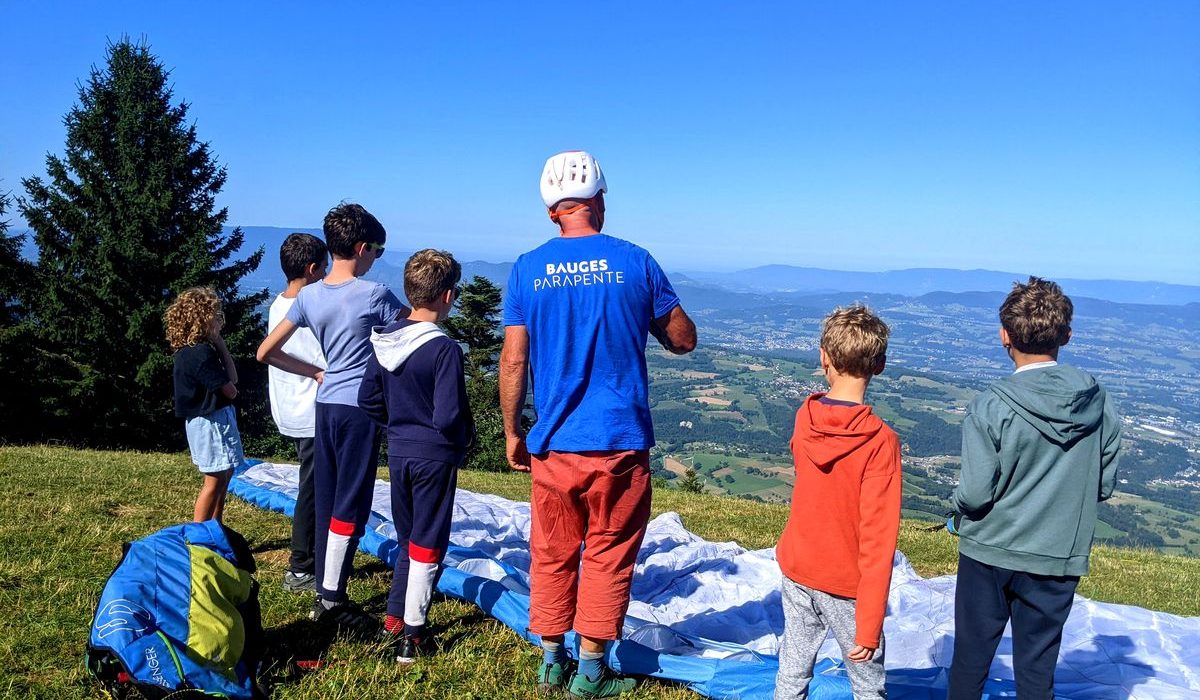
{"points": [[414, 387], [1039, 452]]}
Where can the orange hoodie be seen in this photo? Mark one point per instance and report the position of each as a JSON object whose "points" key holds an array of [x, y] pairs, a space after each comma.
{"points": [[841, 534]]}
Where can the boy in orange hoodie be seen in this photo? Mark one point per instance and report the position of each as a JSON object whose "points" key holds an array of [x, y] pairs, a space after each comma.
{"points": [[837, 548]]}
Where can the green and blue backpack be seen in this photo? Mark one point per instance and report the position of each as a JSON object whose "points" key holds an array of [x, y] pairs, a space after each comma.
{"points": [[179, 617]]}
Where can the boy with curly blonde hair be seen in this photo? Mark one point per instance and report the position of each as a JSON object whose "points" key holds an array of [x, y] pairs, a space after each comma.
{"points": [[205, 386]]}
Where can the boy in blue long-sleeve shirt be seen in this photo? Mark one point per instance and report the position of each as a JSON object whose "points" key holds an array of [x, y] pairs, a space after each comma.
{"points": [[414, 387], [1039, 452], [341, 310]]}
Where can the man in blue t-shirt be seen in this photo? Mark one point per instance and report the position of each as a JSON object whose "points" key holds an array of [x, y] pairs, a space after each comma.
{"points": [[577, 311]]}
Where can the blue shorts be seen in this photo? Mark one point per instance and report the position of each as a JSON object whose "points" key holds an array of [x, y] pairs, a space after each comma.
{"points": [[214, 441]]}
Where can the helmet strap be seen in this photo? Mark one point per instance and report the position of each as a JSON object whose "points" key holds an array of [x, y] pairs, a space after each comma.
{"points": [[556, 215]]}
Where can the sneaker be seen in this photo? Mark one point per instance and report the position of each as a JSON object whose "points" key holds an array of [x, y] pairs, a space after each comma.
{"points": [[294, 582], [553, 678], [411, 648], [608, 685], [348, 618]]}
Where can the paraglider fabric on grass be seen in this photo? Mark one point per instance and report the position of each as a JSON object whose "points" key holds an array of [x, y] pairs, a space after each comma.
{"points": [[708, 614]]}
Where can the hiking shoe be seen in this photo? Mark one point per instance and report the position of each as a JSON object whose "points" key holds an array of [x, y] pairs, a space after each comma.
{"points": [[412, 648], [608, 685], [294, 582], [348, 618], [553, 678]]}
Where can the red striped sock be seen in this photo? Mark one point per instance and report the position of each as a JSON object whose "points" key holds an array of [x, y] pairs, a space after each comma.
{"points": [[393, 624]]}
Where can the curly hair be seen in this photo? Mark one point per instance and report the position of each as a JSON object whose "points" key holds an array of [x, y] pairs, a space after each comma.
{"points": [[189, 318]]}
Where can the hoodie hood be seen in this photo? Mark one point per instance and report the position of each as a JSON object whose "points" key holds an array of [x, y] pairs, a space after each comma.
{"points": [[394, 344], [825, 433], [1064, 404]]}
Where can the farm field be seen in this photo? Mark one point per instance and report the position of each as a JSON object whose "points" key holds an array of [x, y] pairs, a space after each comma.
{"points": [[729, 415]]}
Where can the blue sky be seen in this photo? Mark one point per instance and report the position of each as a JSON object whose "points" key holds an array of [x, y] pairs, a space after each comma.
{"points": [[1060, 139]]}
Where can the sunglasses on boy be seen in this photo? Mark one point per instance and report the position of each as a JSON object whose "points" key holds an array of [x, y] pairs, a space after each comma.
{"points": [[376, 247]]}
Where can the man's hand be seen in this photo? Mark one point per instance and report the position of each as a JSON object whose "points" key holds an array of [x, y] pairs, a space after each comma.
{"points": [[860, 654], [319, 377], [517, 453]]}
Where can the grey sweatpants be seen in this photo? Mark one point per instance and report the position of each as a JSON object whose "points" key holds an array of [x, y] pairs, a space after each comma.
{"points": [[808, 616]]}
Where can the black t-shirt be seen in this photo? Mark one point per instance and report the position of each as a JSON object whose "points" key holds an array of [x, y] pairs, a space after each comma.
{"points": [[199, 376]]}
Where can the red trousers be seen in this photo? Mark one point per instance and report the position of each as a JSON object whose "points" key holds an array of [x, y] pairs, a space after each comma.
{"points": [[600, 500]]}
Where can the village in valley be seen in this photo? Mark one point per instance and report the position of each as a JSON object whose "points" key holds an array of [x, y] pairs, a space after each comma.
{"points": [[726, 412]]}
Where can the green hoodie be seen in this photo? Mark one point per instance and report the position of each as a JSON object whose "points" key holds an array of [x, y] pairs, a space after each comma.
{"points": [[1039, 452]]}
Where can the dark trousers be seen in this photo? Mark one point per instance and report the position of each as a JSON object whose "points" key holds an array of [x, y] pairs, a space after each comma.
{"points": [[346, 457], [305, 517], [985, 599], [422, 509]]}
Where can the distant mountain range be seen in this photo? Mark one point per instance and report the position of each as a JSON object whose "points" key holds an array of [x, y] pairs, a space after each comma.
{"points": [[697, 297], [389, 270], [772, 281], [920, 281]]}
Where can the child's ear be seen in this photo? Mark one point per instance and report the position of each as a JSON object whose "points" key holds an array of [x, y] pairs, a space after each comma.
{"points": [[1067, 339], [1004, 339], [880, 363]]}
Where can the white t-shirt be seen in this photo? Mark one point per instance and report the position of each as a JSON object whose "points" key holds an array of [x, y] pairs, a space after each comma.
{"points": [[293, 397]]}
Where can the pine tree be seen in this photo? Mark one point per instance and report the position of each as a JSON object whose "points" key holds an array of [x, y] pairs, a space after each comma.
{"points": [[14, 271], [691, 482], [126, 221], [17, 366], [477, 324]]}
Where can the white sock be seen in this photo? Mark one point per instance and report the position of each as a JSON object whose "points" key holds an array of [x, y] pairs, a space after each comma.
{"points": [[419, 591], [336, 549]]}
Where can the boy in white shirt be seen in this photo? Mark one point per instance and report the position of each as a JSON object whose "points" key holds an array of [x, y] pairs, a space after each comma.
{"points": [[304, 259]]}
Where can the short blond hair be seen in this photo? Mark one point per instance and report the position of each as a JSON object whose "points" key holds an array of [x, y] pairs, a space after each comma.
{"points": [[428, 274], [855, 339], [1037, 316], [190, 316]]}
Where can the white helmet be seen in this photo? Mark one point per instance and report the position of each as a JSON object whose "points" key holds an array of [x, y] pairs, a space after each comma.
{"points": [[571, 175]]}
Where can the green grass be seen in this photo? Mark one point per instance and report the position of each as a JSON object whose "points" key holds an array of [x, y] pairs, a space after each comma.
{"points": [[1162, 517], [744, 483], [711, 459], [66, 513]]}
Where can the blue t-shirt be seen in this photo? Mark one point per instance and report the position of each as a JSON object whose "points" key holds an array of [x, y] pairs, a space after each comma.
{"points": [[588, 303], [341, 316]]}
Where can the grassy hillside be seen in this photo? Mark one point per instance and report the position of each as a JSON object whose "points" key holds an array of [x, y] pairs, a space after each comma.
{"points": [[66, 513]]}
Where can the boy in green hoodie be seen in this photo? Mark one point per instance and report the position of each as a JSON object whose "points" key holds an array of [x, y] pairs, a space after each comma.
{"points": [[1039, 452]]}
